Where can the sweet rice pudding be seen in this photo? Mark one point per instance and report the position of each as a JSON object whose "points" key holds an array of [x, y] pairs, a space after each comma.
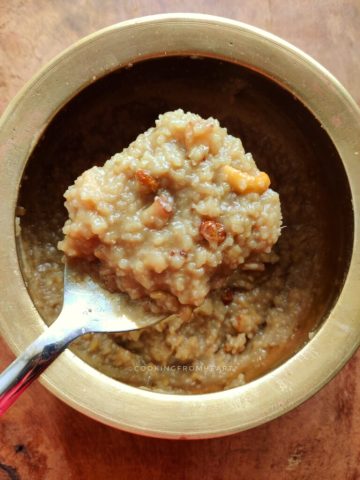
{"points": [[184, 222], [183, 218], [174, 214]]}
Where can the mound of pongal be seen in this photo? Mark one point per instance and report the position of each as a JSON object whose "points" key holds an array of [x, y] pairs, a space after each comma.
{"points": [[175, 212]]}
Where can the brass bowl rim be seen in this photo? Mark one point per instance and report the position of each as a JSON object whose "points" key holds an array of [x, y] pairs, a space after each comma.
{"points": [[84, 388]]}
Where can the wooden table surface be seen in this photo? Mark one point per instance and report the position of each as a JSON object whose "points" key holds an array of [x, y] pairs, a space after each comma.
{"points": [[41, 438]]}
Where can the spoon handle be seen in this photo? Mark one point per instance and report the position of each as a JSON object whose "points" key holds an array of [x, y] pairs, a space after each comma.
{"points": [[33, 361]]}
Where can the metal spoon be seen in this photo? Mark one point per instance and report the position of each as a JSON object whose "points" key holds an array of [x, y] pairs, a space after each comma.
{"points": [[87, 308]]}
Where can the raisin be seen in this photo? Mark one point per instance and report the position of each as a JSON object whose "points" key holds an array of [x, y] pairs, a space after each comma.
{"points": [[227, 296], [144, 177], [213, 232]]}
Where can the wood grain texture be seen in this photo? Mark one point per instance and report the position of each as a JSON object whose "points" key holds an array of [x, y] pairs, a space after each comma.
{"points": [[41, 438]]}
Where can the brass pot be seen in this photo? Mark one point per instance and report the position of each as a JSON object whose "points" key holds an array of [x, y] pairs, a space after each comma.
{"points": [[75, 382]]}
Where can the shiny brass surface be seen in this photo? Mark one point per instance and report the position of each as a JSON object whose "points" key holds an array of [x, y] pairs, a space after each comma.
{"points": [[79, 385]]}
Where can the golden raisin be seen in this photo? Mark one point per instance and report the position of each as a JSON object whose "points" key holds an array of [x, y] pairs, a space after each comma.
{"points": [[144, 177], [213, 232]]}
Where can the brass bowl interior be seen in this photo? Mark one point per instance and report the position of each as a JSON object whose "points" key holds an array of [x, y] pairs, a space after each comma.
{"points": [[284, 137], [326, 150]]}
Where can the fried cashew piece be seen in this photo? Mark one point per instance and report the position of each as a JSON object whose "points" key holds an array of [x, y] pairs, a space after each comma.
{"points": [[159, 212], [243, 183]]}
